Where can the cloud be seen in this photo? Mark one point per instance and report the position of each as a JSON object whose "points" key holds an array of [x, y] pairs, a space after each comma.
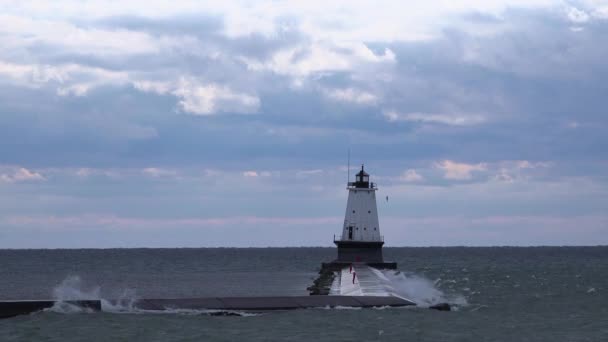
{"points": [[506, 170], [158, 172], [86, 173], [31, 75], [21, 174], [118, 222], [351, 95], [577, 16], [459, 171], [320, 57], [307, 173], [70, 37], [67, 79], [158, 87], [525, 164], [411, 175], [449, 85], [198, 98], [488, 230], [209, 99], [445, 119], [73, 79], [94, 88], [250, 174], [515, 230], [519, 170]]}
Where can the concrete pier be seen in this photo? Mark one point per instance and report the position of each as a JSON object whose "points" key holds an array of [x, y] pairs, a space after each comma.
{"points": [[14, 308], [270, 303]]}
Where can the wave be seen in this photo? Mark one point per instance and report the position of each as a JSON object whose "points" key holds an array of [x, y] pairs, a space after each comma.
{"points": [[419, 289], [73, 288]]}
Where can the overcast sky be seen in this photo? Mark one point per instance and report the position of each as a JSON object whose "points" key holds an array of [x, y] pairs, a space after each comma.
{"points": [[227, 123]]}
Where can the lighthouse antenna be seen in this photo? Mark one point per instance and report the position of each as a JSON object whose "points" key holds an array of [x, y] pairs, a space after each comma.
{"points": [[348, 168]]}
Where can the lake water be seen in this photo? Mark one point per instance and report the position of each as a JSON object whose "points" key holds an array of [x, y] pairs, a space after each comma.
{"points": [[500, 293]]}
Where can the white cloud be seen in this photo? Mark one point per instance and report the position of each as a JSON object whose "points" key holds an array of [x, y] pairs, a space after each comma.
{"points": [[86, 172], [253, 174], [446, 119], [351, 95], [208, 99], [577, 16], [202, 99], [601, 12], [78, 80], [318, 57], [69, 37], [158, 87], [250, 174], [334, 37], [158, 172], [68, 79], [411, 175], [524, 164], [459, 171], [31, 74], [113, 221], [511, 171], [20, 174], [340, 20], [306, 173]]}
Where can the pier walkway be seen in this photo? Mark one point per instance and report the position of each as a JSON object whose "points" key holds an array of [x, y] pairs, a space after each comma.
{"points": [[368, 281]]}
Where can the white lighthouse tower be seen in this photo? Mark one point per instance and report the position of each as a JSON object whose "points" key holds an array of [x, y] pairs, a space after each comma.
{"points": [[360, 240]]}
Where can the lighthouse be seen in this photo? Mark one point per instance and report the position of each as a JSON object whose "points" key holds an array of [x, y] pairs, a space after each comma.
{"points": [[360, 240]]}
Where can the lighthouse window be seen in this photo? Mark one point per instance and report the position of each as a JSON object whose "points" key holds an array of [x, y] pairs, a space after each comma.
{"points": [[369, 211], [353, 211], [364, 228], [374, 228]]}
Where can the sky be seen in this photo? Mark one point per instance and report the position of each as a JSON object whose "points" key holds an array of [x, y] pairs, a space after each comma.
{"points": [[228, 123]]}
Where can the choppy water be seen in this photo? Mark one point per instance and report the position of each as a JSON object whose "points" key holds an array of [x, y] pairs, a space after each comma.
{"points": [[504, 294]]}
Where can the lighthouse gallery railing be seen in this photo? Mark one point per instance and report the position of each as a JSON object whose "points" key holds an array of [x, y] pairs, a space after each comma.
{"points": [[381, 239]]}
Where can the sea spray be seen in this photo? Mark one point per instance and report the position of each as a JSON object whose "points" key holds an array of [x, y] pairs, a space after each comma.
{"points": [[72, 288], [419, 289], [124, 303]]}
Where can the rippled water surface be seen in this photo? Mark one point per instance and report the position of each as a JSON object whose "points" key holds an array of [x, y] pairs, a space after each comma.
{"points": [[502, 294]]}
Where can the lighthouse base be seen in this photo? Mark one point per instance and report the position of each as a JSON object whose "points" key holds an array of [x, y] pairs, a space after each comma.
{"points": [[349, 253], [359, 251]]}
